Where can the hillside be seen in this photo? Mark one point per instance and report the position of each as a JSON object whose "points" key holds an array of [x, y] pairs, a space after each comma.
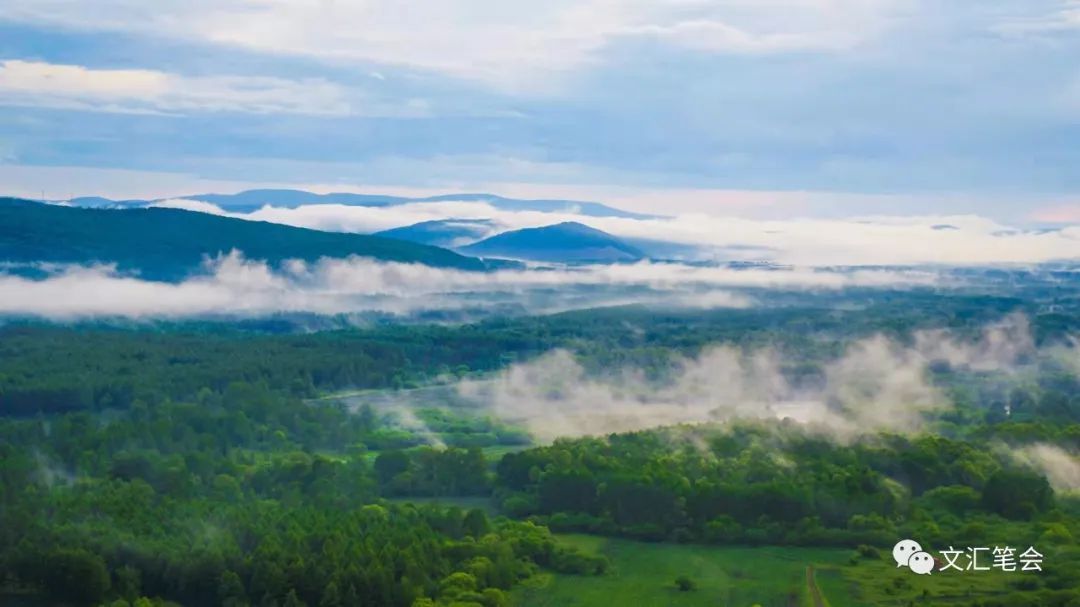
{"points": [[168, 244], [442, 232], [568, 242]]}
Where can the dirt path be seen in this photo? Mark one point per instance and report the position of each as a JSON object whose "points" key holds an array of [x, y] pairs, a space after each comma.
{"points": [[811, 585]]}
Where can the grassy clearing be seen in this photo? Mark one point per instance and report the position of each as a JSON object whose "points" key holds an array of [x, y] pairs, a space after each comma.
{"points": [[643, 575], [882, 583], [837, 590]]}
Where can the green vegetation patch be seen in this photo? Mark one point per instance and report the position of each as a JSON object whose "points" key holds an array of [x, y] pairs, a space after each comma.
{"points": [[644, 575]]}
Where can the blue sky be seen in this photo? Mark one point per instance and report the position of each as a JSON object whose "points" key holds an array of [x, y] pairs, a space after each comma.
{"points": [[765, 108]]}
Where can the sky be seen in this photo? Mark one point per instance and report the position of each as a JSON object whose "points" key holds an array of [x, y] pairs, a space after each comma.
{"points": [[762, 109]]}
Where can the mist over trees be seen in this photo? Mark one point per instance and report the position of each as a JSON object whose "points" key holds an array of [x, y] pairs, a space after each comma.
{"points": [[211, 465]]}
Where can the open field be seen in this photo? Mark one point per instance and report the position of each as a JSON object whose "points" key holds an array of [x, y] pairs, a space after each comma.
{"points": [[836, 589], [882, 583], [643, 575]]}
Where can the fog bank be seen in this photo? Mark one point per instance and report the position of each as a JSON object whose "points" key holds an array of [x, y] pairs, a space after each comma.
{"points": [[867, 240], [877, 385], [233, 285]]}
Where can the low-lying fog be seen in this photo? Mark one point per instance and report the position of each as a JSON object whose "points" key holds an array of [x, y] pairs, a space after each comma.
{"points": [[876, 385], [232, 285], [869, 240]]}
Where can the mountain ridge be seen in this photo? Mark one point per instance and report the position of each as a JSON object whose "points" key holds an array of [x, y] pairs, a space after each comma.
{"points": [[170, 244], [250, 200], [447, 233], [566, 242]]}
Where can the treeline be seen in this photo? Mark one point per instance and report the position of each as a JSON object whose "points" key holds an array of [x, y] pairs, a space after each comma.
{"points": [[49, 369], [142, 466], [56, 369], [778, 484], [250, 498], [267, 443], [256, 498], [120, 541], [432, 472]]}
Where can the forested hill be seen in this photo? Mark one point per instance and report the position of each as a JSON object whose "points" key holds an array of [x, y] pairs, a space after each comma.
{"points": [[168, 244], [567, 242]]}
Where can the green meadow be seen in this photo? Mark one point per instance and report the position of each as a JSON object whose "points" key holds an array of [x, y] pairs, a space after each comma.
{"points": [[643, 575], [880, 582]]}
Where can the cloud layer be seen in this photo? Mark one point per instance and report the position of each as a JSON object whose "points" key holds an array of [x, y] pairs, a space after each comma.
{"points": [[39, 84], [876, 385], [1060, 467], [785, 96], [510, 46], [235, 286], [871, 240]]}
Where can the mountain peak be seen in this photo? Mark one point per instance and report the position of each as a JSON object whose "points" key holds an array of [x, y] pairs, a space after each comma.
{"points": [[566, 242], [442, 232]]}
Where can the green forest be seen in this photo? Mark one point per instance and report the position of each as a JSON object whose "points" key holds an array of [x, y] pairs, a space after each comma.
{"points": [[212, 464], [496, 303]]}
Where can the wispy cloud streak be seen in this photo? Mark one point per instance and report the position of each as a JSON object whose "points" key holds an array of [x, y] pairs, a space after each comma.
{"points": [[235, 286]]}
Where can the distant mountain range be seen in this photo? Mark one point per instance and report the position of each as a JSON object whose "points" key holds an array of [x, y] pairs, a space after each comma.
{"points": [[169, 244], [251, 200], [448, 233], [568, 242], [461, 234]]}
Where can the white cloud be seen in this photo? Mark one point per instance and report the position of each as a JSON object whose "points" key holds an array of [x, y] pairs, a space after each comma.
{"points": [[874, 240], [235, 286], [1060, 467], [38, 84], [1064, 16], [876, 384], [512, 45], [749, 27], [345, 218], [1001, 346], [720, 37]]}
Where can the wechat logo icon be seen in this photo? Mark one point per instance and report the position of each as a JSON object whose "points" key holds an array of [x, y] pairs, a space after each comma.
{"points": [[909, 553]]}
